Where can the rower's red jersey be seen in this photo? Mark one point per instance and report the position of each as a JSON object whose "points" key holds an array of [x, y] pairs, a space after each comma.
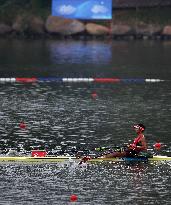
{"points": [[139, 143]]}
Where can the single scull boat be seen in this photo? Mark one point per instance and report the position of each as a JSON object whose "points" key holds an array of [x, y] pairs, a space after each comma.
{"points": [[68, 158]]}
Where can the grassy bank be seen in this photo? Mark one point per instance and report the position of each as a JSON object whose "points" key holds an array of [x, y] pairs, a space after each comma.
{"points": [[9, 9], [156, 15]]}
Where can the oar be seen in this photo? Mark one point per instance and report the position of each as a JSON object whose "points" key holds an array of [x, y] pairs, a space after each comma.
{"points": [[117, 148]]}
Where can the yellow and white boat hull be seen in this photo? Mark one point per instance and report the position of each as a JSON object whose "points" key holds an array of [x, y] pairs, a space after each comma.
{"points": [[66, 158]]}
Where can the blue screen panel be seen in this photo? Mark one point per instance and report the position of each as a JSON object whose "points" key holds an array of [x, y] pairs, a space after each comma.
{"points": [[82, 9]]}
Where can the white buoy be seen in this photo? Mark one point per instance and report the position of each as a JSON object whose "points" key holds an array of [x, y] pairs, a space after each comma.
{"points": [[153, 80], [13, 80], [2, 79]]}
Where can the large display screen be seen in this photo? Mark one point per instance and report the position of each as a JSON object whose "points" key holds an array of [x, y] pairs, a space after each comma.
{"points": [[82, 9]]}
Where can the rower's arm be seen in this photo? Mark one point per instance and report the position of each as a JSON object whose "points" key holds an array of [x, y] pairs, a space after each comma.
{"points": [[143, 144], [141, 147]]}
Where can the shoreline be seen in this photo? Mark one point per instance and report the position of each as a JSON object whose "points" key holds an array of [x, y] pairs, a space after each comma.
{"points": [[130, 24], [85, 36], [60, 28]]}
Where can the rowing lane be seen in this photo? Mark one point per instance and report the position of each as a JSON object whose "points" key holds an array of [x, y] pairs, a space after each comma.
{"points": [[78, 80]]}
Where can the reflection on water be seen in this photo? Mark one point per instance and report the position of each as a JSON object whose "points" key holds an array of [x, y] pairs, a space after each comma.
{"points": [[132, 59], [89, 52]]}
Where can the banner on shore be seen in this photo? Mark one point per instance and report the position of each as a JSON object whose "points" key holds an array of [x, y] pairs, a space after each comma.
{"points": [[82, 9]]}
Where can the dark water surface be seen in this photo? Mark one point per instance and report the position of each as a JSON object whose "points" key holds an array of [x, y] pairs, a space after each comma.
{"points": [[67, 114], [95, 184], [148, 59]]}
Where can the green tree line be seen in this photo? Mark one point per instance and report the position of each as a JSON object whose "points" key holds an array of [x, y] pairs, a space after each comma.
{"points": [[9, 9], [34, 4]]}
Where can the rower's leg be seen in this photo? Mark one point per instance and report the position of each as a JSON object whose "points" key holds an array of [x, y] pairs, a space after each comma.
{"points": [[115, 154]]}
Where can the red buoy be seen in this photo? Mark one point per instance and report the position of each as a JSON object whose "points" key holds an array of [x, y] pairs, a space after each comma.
{"points": [[94, 95], [107, 80], [26, 80], [22, 125], [157, 145], [73, 198]]}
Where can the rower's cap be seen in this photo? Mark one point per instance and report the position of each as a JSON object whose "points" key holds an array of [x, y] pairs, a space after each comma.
{"points": [[141, 127]]}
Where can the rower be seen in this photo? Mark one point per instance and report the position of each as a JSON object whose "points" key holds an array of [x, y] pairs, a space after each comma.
{"points": [[139, 145]]}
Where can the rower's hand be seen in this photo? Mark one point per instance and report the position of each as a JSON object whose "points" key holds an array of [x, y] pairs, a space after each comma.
{"points": [[84, 159], [131, 146]]}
